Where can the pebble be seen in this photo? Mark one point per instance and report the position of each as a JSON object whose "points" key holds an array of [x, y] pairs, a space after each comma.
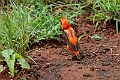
{"points": [[105, 63], [79, 67], [92, 68], [87, 75], [39, 54], [47, 65]]}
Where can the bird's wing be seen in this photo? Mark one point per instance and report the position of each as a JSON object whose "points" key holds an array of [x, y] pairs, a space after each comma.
{"points": [[65, 37], [66, 40]]}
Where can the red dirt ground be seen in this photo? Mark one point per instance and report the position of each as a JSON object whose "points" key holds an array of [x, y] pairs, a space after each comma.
{"points": [[101, 58]]}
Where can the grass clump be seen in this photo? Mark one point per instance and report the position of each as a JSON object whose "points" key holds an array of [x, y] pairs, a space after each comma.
{"points": [[15, 30], [106, 11]]}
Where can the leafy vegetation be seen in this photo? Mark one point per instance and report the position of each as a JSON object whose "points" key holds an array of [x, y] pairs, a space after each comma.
{"points": [[22, 25], [105, 10], [10, 58]]}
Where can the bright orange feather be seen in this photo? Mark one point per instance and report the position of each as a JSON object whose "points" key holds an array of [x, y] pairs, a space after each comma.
{"points": [[65, 23]]}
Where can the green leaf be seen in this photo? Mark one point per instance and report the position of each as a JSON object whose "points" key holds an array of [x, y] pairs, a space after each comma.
{"points": [[96, 36], [82, 36], [32, 60], [96, 25], [17, 56], [117, 27], [10, 59], [2, 68], [7, 52], [23, 63]]}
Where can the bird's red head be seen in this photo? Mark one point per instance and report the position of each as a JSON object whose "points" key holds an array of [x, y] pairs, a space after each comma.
{"points": [[65, 23]]}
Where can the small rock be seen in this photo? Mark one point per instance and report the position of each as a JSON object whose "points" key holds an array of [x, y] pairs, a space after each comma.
{"points": [[47, 65], [78, 62], [92, 68], [79, 67], [107, 76], [104, 70], [112, 65], [87, 75], [107, 49], [69, 70], [105, 63], [39, 54]]}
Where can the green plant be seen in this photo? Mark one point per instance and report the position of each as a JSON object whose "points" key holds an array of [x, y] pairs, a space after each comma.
{"points": [[10, 58], [82, 36], [106, 10], [16, 29]]}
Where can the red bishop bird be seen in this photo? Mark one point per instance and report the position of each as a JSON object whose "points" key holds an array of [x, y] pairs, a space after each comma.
{"points": [[69, 37]]}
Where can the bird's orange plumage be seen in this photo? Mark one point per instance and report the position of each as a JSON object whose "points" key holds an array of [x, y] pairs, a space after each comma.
{"points": [[71, 39], [65, 23]]}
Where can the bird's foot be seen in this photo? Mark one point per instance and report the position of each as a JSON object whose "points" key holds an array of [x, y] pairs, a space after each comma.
{"points": [[78, 57]]}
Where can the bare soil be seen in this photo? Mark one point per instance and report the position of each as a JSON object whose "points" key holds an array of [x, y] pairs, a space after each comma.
{"points": [[101, 58]]}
